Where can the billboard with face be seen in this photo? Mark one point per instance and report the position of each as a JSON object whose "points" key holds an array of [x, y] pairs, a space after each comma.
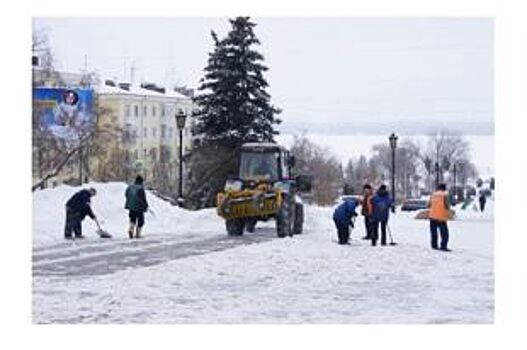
{"points": [[67, 113]]}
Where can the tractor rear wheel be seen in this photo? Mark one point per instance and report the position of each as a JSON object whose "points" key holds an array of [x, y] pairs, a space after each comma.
{"points": [[299, 219]]}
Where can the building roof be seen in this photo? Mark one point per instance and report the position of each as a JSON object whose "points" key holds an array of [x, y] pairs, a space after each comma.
{"points": [[138, 91]]}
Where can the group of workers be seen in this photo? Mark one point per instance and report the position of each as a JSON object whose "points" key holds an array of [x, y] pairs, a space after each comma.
{"points": [[376, 211]]}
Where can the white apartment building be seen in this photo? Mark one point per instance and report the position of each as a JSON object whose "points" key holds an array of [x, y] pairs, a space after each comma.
{"points": [[147, 118]]}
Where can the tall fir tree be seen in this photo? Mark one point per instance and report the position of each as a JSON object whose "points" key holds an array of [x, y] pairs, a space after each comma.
{"points": [[234, 106]]}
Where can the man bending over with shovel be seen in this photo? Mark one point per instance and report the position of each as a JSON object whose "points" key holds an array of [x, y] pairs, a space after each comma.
{"points": [[77, 207], [343, 218]]}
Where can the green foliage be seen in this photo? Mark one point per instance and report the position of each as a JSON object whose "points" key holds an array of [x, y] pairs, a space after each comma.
{"points": [[234, 106]]}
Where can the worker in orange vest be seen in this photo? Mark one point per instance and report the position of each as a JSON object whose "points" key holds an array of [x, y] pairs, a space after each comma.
{"points": [[438, 215]]}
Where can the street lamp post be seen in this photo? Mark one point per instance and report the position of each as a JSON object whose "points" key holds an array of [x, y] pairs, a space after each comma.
{"points": [[461, 180], [437, 173], [455, 189], [393, 144], [180, 123]]}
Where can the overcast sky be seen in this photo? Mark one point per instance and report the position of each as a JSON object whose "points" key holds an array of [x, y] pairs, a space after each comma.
{"points": [[330, 70]]}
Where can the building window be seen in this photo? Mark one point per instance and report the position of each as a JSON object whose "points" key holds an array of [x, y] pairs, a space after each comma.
{"points": [[162, 108], [153, 111], [153, 132], [127, 133], [136, 111], [145, 153], [135, 155], [126, 110], [163, 131], [170, 132], [145, 111], [145, 132], [153, 154]]}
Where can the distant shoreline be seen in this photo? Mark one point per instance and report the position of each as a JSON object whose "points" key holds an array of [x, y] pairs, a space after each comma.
{"points": [[408, 128], [352, 145]]}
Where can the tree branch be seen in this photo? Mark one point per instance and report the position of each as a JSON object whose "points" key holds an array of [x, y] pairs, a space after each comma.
{"points": [[62, 163]]}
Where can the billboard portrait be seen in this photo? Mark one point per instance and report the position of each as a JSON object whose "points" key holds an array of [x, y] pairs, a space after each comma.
{"points": [[66, 113]]}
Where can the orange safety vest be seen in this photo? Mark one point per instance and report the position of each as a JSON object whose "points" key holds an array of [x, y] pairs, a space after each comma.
{"points": [[367, 207], [438, 210]]}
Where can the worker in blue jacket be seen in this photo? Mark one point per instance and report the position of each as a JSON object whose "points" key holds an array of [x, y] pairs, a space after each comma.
{"points": [[342, 216], [381, 203]]}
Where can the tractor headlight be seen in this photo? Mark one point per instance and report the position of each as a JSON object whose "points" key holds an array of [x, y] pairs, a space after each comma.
{"points": [[282, 186], [233, 185]]}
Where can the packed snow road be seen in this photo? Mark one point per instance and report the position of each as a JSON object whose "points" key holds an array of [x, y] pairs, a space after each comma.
{"points": [[187, 270], [98, 258]]}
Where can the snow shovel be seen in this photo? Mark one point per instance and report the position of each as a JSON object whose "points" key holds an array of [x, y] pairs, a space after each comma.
{"points": [[102, 233], [390, 233]]}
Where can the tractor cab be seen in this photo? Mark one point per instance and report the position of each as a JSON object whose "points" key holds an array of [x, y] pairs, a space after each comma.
{"points": [[267, 162]]}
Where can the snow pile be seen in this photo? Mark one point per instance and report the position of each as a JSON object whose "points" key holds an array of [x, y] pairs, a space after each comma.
{"points": [[108, 205]]}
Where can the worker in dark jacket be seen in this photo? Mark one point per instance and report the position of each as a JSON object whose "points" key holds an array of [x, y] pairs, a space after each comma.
{"points": [[367, 210], [342, 216], [137, 205], [381, 204], [77, 208]]}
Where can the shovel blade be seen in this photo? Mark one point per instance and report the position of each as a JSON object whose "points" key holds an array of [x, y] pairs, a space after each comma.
{"points": [[103, 234]]}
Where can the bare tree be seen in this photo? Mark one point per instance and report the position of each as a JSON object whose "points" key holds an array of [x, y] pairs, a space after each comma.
{"points": [[325, 168], [41, 49], [447, 149], [406, 166]]}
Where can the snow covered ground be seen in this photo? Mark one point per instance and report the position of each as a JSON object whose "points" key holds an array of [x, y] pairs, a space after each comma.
{"points": [[186, 270]]}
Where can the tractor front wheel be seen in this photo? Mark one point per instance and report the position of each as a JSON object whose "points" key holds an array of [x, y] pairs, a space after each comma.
{"points": [[235, 226], [284, 220]]}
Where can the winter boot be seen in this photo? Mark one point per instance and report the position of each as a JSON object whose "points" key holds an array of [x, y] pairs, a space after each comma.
{"points": [[131, 230], [138, 232]]}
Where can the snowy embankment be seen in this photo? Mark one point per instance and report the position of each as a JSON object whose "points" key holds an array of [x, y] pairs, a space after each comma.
{"points": [[108, 205], [304, 279]]}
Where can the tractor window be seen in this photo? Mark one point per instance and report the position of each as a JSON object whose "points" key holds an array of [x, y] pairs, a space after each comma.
{"points": [[254, 166], [284, 166]]}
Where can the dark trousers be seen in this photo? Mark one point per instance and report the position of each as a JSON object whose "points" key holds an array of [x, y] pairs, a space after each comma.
{"points": [[368, 226], [137, 218], [343, 232], [443, 231], [73, 223], [482, 205], [375, 232]]}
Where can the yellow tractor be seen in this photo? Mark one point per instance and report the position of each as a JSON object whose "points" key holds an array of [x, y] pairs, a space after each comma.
{"points": [[264, 188]]}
